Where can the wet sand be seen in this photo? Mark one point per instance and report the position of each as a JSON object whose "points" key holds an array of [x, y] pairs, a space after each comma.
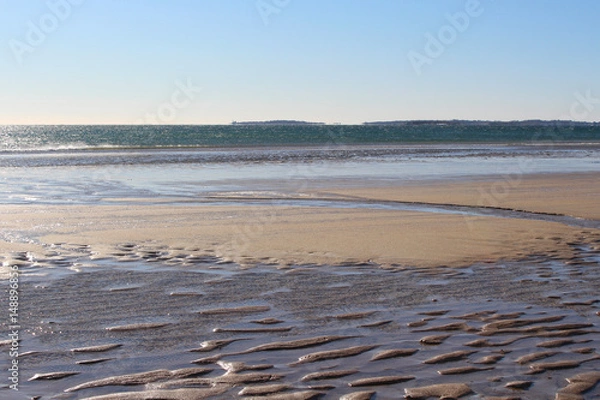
{"points": [[569, 194], [298, 235], [280, 302]]}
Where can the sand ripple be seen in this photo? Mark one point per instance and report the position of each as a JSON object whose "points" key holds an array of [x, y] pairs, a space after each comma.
{"points": [[96, 349], [442, 391], [319, 332], [139, 379], [333, 354]]}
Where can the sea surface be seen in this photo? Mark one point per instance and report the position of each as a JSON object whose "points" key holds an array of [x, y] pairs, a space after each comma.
{"points": [[48, 137], [93, 164]]}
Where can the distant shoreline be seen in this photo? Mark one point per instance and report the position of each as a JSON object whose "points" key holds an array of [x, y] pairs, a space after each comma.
{"points": [[453, 122]]}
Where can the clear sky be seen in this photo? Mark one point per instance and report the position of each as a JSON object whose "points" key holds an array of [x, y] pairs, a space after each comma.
{"points": [[347, 61]]}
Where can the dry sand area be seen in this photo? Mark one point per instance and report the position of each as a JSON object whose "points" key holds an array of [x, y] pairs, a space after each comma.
{"points": [[279, 301]]}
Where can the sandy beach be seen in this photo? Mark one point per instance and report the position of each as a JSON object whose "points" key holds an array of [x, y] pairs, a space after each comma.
{"points": [[281, 234], [318, 294]]}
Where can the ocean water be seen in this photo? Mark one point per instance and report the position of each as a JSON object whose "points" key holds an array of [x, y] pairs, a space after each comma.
{"points": [[95, 164], [22, 138]]}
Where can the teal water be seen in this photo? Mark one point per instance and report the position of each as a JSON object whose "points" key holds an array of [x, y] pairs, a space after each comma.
{"points": [[15, 138]]}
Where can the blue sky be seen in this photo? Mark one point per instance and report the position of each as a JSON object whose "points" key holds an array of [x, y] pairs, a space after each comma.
{"points": [[347, 61]]}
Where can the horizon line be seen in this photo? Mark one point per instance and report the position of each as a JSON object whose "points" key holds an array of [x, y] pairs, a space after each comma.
{"points": [[302, 122]]}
